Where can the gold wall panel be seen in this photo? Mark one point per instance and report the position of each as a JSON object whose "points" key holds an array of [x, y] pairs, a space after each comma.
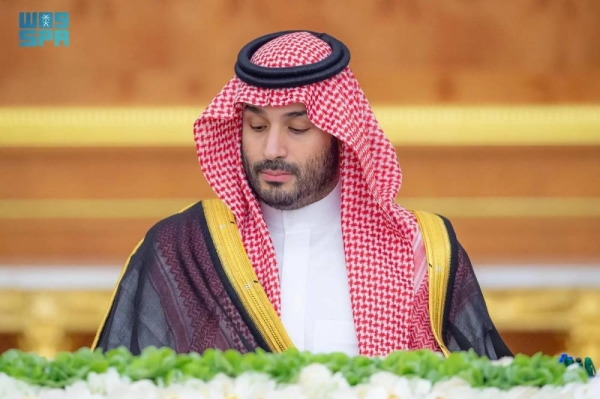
{"points": [[509, 204], [403, 52], [428, 171]]}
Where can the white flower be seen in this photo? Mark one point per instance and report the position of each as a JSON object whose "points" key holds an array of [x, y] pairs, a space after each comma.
{"points": [[190, 389], [221, 386], [11, 388], [420, 386], [454, 388], [317, 381], [80, 390], [314, 374], [286, 392], [401, 387], [345, 393], [77, 390], [106, 382], [51, 393], [253, 385], [180, 392], [136, 390], [314, 382], [376, 392], [590, 390]]}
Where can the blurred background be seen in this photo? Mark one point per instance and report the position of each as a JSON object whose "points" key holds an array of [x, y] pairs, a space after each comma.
{"points": [[493, 107]]}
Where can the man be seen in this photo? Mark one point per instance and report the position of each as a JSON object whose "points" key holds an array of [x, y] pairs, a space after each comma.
{"points": [[305, 246]]}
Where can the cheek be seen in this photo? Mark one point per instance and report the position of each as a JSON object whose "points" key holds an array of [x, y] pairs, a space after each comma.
{"points": [[250, 147], [321, 143]]}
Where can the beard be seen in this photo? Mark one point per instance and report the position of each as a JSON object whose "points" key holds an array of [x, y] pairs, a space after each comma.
{"points": [[314, 180]]}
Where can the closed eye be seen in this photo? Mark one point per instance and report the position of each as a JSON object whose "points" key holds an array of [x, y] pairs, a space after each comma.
{"points": [[297, 131], [258, 128]]}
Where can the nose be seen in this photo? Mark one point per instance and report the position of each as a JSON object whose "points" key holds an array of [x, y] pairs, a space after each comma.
{"points": [[275, 145]]}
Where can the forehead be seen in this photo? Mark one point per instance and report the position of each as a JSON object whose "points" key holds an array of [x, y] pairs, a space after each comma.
{"points": [[275, 112]]}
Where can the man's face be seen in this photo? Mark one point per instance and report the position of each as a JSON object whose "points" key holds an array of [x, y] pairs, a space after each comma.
{"points": [[288, 161]]}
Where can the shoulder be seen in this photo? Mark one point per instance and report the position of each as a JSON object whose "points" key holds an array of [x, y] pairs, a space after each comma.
{"points": [[178, 220], [177, 226], [167, 247]]}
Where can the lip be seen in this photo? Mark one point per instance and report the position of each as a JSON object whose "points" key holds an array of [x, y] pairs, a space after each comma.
{"points": [[276, 176]]}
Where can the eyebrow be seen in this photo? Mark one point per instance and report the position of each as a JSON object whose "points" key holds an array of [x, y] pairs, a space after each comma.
{"points": [[258, 111], [294, 114]]}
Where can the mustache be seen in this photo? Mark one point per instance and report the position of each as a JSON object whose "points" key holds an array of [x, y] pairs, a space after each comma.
{"points": [[276, 165]]}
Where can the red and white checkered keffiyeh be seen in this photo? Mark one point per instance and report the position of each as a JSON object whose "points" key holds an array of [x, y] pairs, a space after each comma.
{"points": [[377, 233]]}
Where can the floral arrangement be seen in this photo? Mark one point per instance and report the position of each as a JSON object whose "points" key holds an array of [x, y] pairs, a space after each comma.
{"points": [[161, 373]]}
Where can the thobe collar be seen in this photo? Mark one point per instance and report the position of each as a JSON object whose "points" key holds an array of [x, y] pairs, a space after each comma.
{"points": [[322, 212]]}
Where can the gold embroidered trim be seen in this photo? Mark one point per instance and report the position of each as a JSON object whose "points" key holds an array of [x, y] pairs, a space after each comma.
{"points": [[438, 251], [241, 275]]}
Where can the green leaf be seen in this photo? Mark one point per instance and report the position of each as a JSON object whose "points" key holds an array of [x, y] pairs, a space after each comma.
{"points": [[164, 366]]}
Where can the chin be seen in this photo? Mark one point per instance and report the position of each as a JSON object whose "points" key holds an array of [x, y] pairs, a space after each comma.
{"points": [[269, 185]]}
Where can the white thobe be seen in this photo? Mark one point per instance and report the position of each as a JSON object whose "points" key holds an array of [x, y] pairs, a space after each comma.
{"points": [[315, 296]]}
